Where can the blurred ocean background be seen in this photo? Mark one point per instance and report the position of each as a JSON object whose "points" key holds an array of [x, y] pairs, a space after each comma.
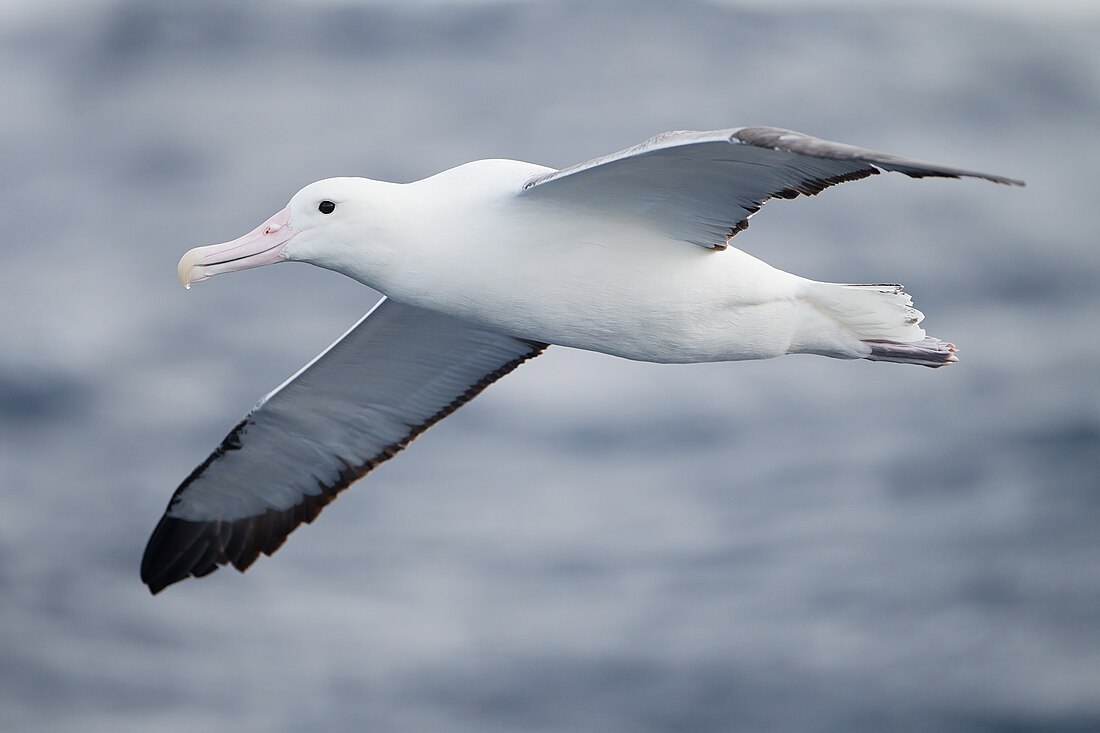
{"points": [[593, 545]]}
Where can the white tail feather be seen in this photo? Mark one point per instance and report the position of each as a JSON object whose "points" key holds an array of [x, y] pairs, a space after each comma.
{"points": [[879, 323]]}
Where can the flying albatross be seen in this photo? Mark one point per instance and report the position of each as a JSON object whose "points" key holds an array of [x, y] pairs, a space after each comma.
{"points": [[485, 265]]}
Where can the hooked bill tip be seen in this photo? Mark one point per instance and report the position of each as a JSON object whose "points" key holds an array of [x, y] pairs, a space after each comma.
{"points": [[187, 266]]}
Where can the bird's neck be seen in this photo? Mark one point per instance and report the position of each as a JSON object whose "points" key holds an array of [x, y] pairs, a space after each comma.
{"points": [[438, 223]]}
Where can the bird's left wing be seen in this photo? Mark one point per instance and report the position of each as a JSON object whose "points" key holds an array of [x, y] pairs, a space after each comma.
{"points": [[702, 187], [393, 375]]}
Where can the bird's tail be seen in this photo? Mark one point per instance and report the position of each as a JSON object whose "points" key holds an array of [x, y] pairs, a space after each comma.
{"points": [[883, 322]]}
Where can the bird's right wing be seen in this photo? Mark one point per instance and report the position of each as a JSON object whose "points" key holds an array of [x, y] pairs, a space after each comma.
{"points": [[393, 375], [702, 187]]}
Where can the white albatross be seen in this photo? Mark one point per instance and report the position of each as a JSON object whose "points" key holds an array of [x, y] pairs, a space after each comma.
{"points": [[485, 265]]}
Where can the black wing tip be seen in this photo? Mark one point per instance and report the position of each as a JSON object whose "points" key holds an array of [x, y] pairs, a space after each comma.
{"points": [[170, 555], [934, 172], [180, 549], [778, 138]]}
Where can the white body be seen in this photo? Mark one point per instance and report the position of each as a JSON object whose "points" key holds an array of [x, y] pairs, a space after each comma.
{"points": [[463, 243]]}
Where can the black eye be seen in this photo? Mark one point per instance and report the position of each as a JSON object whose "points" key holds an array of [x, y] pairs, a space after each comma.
{"points": [[326, 207]]}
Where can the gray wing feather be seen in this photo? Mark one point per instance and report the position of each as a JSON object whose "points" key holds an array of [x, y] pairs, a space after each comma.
{"points": [[393, 375], [702, 187]]}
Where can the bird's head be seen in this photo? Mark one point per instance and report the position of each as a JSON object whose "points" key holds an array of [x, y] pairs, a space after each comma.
{"points": [[328, 223]]}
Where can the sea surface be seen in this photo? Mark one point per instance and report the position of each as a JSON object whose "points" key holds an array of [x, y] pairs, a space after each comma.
{"points": [[597, 545]]}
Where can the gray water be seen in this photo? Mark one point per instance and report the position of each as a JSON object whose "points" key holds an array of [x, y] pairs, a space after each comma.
{"points": [[593, 545]]}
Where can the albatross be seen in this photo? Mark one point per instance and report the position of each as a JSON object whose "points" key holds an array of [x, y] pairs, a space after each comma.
{"points": [[485, 265]]}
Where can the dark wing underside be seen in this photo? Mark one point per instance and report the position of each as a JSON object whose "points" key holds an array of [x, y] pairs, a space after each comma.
{"points": [[397, 372], [702, 187]]}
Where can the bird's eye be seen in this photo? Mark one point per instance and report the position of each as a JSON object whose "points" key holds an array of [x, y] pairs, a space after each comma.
{"points": [[326, 207]]}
